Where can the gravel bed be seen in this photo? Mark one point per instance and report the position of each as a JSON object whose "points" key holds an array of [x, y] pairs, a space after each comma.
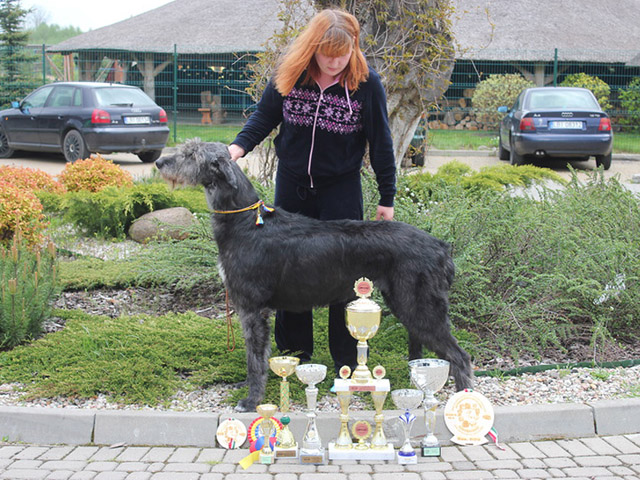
{"points": [[577, 385]]}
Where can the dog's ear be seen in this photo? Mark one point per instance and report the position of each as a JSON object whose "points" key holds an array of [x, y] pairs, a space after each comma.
{"points": [[222, 166]]}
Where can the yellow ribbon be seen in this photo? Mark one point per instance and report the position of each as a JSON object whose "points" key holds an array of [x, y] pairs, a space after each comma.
{"points": [[250, 459]]}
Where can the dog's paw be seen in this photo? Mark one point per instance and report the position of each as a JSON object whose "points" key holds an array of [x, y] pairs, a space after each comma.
{"points": [[245, 405]]}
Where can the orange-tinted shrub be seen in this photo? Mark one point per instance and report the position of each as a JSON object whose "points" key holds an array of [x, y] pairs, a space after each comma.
{"points": [[20, 210], [93, 174], [30, 179]]}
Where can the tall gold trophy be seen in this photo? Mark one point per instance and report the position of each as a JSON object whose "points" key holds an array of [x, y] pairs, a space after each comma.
{"points": [[286, 446], [363, 321]]}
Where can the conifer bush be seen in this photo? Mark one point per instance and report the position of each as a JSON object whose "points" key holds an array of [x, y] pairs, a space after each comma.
{"points": [[28, 287], [109, 212], [94, 174]]}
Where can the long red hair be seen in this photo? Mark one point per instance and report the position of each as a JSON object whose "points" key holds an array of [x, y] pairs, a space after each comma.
{"points": [[333, 33]]}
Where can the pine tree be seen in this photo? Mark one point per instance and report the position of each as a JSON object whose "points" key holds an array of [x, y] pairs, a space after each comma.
{"points": [[13, 52]]}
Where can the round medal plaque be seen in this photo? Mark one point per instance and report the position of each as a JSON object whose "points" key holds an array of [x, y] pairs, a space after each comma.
{"points": [[469, 416]]}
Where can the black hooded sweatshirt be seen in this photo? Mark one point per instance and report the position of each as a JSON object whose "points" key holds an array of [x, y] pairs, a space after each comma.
{"points": [[324, 133]]}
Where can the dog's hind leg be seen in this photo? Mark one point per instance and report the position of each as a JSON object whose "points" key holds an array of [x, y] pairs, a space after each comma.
{"points": [[444, 345], [258, 344], [427, 323]]}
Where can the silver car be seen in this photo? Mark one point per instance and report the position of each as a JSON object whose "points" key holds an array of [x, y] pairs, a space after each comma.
{"points": [[555, 122]]}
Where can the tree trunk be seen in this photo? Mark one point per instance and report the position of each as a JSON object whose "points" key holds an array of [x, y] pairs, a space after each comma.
{"points": [[409, 44]]}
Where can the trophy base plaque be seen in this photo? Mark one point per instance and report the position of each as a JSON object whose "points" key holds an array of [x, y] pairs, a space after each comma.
{"points": [[266, 459], [407, 459], [286, 452], [431, 451], [315, 457], [386, 453]]}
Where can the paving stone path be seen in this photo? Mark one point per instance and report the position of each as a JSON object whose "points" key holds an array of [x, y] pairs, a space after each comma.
{"points": [[606, 457]]}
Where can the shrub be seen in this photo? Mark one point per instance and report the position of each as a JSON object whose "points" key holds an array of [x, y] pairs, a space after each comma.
{"points": [[110, 212], [20, 211], [30, 179], [28, 286], [630, 101], [494, 92], [94, 174], [599, 87], [529, 274]]}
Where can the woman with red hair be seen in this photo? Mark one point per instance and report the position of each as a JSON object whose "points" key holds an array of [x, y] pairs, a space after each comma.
{"points": [[329, 105]]}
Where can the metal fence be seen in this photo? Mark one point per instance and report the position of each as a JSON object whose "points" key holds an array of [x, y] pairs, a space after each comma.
{"points": [[204, 90]]}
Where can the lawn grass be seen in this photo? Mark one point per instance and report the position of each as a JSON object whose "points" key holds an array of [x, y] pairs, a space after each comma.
{"points": [[143, 360], [208, 133], [623, 142]]}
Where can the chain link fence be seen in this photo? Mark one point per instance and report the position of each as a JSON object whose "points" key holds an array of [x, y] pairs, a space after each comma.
{"points": [[208, 92]]}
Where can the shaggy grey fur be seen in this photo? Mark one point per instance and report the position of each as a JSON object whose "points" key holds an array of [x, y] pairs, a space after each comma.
{"points": [[293, 262]]}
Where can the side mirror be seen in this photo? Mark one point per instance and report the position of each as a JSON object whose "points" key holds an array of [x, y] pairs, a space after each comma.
{"points": [[503, 109], [15, 104]]}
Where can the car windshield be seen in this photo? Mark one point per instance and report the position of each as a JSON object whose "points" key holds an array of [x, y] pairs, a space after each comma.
{"points": [[122, 97], [561, 100]]}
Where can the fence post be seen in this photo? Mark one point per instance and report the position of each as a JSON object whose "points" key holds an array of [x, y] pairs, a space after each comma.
{"points": [[175, 92], [555, 68], [44, 65]]}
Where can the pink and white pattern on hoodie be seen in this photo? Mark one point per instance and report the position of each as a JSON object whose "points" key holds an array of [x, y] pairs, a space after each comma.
{"points": [[335, 113]]}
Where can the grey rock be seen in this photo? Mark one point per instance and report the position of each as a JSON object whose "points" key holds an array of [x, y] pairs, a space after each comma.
{"points": [[166, 223]]}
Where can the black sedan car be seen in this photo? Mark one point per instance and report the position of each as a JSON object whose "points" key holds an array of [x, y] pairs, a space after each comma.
{"points": [[80, 118], [552, 122]]}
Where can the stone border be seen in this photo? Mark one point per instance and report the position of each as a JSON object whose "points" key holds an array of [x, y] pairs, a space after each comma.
{"points": [[107, 427]]}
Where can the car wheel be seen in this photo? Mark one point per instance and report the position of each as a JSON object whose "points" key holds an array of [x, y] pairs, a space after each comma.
{"points": [[74, 146], [604, 161], [149, 156], [503, 153], [5, 150], [514, 158]]}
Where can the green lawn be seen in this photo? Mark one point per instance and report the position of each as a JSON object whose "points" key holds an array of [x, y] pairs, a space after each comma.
{"points": [[440, 139]]}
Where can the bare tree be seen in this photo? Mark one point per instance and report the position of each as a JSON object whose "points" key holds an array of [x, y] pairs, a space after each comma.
{"points": [[409, 43], [37, 16]]}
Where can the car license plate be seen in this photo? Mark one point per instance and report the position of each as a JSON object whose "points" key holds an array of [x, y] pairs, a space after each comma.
{"points": [[565, 125], [137, 120]]}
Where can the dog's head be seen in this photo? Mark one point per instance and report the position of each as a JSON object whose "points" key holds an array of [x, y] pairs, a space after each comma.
{"points": [[200, 163]]}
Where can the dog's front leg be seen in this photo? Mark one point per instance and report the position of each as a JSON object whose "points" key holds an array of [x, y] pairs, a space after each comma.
{"points": [[258, 344]]}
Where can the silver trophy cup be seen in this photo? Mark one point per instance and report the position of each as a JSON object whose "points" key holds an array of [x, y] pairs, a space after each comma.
{"points": [[407, 399], [310, 374], [429, 375]]}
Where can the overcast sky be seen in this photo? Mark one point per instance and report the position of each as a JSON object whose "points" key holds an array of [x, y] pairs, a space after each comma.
{"points": [[90, 14]]}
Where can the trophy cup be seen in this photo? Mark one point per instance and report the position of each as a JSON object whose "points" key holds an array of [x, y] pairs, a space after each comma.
{"points": [[310, 374], [429, 375], [283, 367], [363, 321], [266, 411], [407, 399]]}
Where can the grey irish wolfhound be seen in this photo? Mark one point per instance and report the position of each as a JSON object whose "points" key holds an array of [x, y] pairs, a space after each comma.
{"points": [[280, 260]]}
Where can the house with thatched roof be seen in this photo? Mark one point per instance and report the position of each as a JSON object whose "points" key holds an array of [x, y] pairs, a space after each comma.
{"points": [[224, 31], [532, 35], [540, 39]]}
